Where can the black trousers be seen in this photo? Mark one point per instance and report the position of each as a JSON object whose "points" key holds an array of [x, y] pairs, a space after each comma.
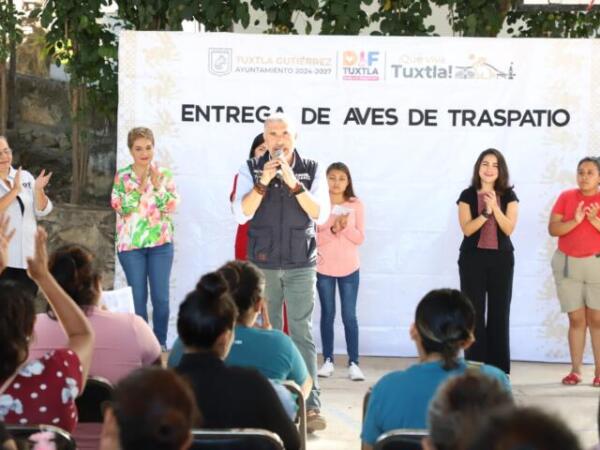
{"points": [[486, 277], [20, 276]]}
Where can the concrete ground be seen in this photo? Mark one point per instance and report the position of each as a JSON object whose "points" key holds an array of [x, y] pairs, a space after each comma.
{"points": [[535, 384]]}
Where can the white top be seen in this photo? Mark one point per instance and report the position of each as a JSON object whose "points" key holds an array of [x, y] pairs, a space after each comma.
{"points": [[245, 183], [22, 244]]}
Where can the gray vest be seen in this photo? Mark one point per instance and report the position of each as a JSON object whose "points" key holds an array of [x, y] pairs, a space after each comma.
{"points": [[281, 235]]}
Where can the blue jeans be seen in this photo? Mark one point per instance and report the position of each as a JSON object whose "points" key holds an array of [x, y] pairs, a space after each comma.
{"points": [[348, 287], [150, 264]]}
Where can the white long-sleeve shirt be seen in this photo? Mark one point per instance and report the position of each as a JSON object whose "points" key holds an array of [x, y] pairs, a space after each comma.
{"points": [[22, 244]]}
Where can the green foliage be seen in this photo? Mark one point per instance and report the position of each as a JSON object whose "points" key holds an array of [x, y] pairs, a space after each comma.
{"points": [[10, 32], [343, 16], [476, 17], [403, 18], [146, 15], [282, 14], [85, 47], [556, 24], [221, 15]]}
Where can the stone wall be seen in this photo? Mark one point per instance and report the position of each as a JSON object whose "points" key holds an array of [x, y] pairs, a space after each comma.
{"points": [[92, 227]]}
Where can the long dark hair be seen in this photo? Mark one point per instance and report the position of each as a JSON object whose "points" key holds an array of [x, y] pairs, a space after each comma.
{"points": [[206, 312], [74, 268], [502, 183], [258, 141], [155, 408], [445, 319], [349, 191], [17, 317], [245, 282]]}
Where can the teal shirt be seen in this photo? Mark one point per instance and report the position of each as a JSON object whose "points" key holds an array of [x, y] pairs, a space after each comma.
{"points": [[271, 352], [400, 399]]}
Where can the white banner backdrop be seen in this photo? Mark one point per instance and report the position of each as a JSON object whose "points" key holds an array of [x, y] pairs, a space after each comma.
{"points": [[409, 116]]}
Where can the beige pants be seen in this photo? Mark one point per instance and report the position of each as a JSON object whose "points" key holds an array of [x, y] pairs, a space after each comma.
{"points": [[577, 281]]}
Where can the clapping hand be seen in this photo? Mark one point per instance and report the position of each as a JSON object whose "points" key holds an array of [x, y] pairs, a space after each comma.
{"points": [[490, 200], [155, 176], [17, 182], [592, 211], [42, 180], [37, 266], [5, 237], [343, 221], [580, 213], [287, 174]]}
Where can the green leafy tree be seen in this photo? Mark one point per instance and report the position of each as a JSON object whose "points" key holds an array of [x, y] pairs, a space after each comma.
{"points": [[403, 18], [10, 36], [282, 15], [79, 41], [555, 24], [343, 16], [483, 18]]}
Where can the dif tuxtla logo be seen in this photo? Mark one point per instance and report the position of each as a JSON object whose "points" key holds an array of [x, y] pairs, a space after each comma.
{"points": [[362, 65]]}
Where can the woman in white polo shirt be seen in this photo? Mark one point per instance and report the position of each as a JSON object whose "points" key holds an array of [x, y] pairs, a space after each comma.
{"points": [[22, 198]]}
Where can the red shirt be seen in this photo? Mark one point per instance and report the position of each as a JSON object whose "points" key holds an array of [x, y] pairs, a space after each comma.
{"points": [[44, 392], [584, 239]]}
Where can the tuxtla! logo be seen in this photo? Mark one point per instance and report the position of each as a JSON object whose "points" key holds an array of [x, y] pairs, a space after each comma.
{"points": [[363, 65], [219, 61]]}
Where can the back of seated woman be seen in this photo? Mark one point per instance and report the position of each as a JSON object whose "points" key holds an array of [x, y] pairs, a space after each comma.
{"points": [[229, 397], [271, 352], [43, 390], [444, 324], [124, 342], [152, 408]]}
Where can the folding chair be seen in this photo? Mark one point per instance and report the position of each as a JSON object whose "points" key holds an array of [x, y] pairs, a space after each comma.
{"points": [[301, 416], [400, 439], [24, 436], [236, 439], [90, 404]]}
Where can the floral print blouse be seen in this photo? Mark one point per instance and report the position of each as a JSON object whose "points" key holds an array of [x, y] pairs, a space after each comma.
{"points": [[143, 218], [44, 392]]}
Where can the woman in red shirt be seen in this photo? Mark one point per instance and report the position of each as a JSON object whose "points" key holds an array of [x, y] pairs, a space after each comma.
{"points": [[576, 263]]}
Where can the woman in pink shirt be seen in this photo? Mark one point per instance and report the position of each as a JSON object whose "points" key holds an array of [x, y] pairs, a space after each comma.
{"points": [[124, 342], [337, 242]]}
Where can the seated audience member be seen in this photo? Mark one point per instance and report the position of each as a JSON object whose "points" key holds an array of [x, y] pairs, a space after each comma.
{"points": [[229, 397], [524, 429], [6, 440], [124, 342], [444, 323], [43, 390], [459, 408], [152, 408], [271, 352]]}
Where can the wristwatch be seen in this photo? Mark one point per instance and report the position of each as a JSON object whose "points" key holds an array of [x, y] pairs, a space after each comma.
{"points": [[486, 214], [298, 189]]}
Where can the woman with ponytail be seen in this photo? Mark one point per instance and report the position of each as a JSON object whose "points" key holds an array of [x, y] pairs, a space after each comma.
{"points": [[124, 342], [443, 327], [229, 397]]}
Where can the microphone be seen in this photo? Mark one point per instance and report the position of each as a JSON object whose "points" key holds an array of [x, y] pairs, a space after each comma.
{"points": [[278, 154]]}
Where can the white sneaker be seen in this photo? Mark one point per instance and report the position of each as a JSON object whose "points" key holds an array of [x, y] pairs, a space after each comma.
{"points": [[326, 369], [355, 373]]}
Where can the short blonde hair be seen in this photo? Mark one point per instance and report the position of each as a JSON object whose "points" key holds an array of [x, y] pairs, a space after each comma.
{"points": [[139, 132]]}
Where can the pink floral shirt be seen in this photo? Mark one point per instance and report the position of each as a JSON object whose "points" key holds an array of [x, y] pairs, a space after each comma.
{"points": [[143, 218]]}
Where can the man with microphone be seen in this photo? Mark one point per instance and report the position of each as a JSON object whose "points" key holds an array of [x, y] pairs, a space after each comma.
{"points": [[283, 196]]}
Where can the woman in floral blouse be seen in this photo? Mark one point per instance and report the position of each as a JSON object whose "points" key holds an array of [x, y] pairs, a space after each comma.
{"points": [[144, 198]]}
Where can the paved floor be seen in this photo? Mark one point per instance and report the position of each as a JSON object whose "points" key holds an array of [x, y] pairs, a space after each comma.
{"points": [[533, 384]]}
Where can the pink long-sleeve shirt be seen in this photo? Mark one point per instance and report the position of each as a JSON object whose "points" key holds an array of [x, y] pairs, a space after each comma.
{"points": [[338, 253]]}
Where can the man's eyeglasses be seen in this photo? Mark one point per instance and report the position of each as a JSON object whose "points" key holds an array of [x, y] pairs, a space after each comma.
{"points": [[6, 151]]}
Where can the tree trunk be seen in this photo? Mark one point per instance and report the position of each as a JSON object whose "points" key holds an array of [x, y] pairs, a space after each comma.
{"points": [[12, 87], [75, 144], [3, 99]]}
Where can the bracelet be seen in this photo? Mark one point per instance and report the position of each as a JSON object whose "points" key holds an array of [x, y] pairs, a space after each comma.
{"points": [[298, 189], [486, 214], [260, 188], [331, 229]]}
